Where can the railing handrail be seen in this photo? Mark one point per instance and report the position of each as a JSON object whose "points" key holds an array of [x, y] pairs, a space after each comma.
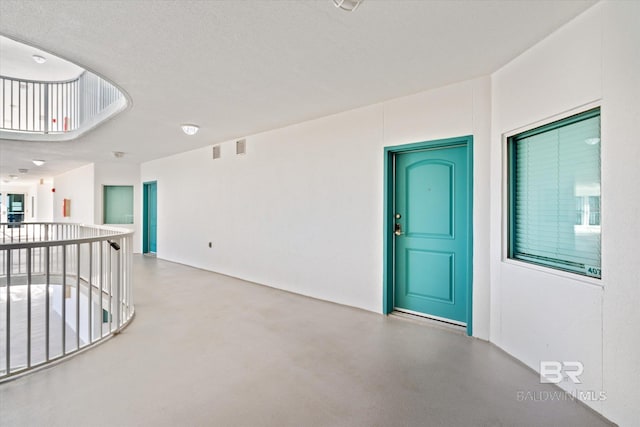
{"points": [[16, 79], [69, 107], [117, 232], [65, 295]]}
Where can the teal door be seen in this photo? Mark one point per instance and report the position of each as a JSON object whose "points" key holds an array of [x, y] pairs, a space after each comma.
{"points": [[150, 217], [431, 229]]}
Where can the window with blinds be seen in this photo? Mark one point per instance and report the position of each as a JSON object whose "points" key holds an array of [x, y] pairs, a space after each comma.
{"points": [[554, 194]]}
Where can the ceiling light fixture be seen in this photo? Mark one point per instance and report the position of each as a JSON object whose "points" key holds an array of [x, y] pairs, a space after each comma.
{"points": [[38, 162], [39, 59], [348, 5], [23, 170], [13, 176], [190, 129], [118, 154]]}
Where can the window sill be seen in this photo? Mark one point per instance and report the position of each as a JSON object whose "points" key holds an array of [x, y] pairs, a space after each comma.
{"points": [[559, 273]]}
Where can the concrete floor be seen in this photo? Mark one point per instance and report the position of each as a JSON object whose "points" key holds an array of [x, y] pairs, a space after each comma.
{"points": [[209, 350]]}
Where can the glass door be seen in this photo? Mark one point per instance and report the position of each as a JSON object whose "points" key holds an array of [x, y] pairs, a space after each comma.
{"points": [[15, 208]]}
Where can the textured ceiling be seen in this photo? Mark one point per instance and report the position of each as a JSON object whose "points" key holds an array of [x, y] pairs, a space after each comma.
{"points": [[241, 67], [17, 61]]}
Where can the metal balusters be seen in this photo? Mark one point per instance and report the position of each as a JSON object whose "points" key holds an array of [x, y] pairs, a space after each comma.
{"points": [[90, 278], [28, 308], [47, 305], [8, 316], [54, 107], [63, 298], [102, 282], [37, 253]]}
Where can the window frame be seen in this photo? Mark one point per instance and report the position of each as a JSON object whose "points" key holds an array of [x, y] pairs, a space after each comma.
{"points": [[508, 193]]}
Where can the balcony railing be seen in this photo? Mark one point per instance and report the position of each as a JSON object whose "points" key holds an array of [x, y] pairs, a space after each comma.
{"points": [[63, 288], [56, 110]]}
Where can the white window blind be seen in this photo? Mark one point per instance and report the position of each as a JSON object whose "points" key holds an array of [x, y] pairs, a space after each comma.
{"points": [[555, 195]]}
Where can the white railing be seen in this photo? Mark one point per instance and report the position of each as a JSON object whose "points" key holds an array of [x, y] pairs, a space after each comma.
{"points": [[61, 110], [63, 288]]}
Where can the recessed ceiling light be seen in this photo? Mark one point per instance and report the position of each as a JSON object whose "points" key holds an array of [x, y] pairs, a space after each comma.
{"points": [[190, 129], [23, 170], [38, 162], [118, 154], [39, 59], [348, 5], [13, 176]]}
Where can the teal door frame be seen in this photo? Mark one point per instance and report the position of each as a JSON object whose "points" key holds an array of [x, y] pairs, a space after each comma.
{"points": [[145, 215], [388, 225]]}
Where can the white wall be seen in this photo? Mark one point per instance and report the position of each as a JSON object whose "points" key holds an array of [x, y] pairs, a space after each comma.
{"points": [[119, 173], [44, 201], [621, 207], [76, 185], [84, 187], [537, 314], [302, 210]]}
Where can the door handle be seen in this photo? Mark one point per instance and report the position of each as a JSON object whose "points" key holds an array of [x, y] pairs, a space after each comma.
{"points": [[398, 229]]}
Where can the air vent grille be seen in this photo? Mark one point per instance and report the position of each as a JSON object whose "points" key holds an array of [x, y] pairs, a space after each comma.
{"points": [[241, 146]]}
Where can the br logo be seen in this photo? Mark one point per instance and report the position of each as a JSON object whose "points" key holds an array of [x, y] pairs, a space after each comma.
{"points": [[552, 371]]}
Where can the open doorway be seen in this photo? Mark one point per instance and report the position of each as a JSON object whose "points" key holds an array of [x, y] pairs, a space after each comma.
{"points": [[150, 215], [15, 208]]}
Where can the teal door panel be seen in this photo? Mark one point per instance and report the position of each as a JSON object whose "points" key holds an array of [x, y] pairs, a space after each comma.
{"points": [[431, 241], [153, 216], [150, 217]]}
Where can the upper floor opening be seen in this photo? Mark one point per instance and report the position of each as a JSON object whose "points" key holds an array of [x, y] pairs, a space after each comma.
{"points": [[46, 98]]}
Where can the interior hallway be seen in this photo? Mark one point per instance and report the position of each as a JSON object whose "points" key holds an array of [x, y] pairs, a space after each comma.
{"points": [[206, 349]]}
